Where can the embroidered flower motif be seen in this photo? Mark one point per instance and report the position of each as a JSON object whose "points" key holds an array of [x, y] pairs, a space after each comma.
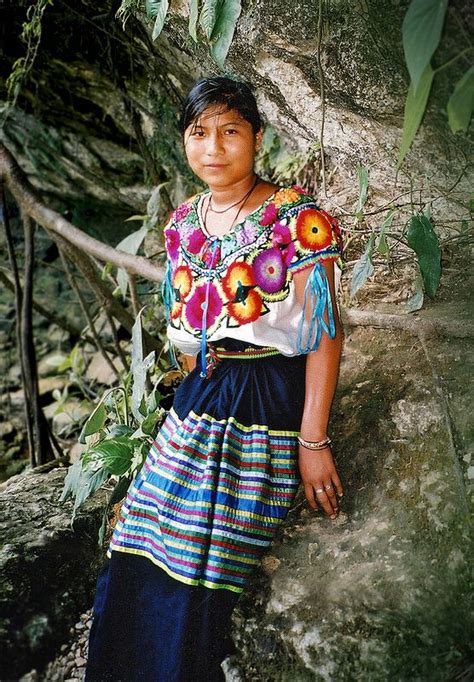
{"points": [[182, 282], [270, 270], [281, 234], [269, 215], [248, 310], [182, 211], [194, 309], [195, 241], [285, 196], [336, 230], [313, 230], [211, 255], [238, 281], [247, 235], [172, 243]]}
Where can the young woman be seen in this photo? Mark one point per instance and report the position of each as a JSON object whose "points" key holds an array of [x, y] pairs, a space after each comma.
{"points": [[251, 302]]}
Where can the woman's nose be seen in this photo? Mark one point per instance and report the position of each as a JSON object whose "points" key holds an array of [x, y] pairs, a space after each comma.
{"points": [[214, 144]]}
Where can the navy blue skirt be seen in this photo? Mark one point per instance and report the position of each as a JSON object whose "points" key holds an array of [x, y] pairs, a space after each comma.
{"points": [[218, 481]]}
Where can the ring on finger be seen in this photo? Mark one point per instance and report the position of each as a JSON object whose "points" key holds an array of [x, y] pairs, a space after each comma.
{"points": [[328, 487], [319, 491]]}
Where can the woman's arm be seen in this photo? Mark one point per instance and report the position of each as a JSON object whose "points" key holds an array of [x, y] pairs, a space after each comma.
{"points": [[317, 468]]}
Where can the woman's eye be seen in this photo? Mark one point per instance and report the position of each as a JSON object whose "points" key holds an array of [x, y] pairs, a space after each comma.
{"points": [[198, 133], [231, 130]]}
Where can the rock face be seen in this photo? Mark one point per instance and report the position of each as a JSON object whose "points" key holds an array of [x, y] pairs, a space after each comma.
{"points": [[383, 592], [47, 568]]}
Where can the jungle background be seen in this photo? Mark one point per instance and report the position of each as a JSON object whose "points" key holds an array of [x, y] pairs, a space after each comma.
{"points": [[368, 106]]}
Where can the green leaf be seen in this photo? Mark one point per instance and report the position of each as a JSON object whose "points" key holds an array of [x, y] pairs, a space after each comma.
{"points": [[120, 430], [149, 423], [208, 16], [115, 454], [95, 422], [130, 244], [421, 30], [120, 490], [157, 9], [193, 18], [461, 103], [424, 241], [415, 106], [224, 29], [139, 368], [363, 177], [363, 267], [382, 245], [81, 483]]}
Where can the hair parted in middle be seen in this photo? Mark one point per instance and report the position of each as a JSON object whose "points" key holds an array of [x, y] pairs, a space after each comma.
{"points": [[223, 92]]}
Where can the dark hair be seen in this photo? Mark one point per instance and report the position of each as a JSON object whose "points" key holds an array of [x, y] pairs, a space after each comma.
{"points": [[228, 93]]}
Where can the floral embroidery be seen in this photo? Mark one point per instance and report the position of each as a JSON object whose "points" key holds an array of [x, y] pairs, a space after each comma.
{"points": [[182, 211], [195, 306], [285, 196], [313, 230], [270, 270], [196, 240], [270, 214], [247, 270], [172, 243]]}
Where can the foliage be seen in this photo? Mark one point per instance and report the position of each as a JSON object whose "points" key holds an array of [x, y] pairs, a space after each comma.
{"points": [[216, 19], [118, 433], [422, 30], [31, 36]]}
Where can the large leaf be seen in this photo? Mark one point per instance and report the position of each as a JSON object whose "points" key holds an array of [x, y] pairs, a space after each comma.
{"points": [[363, 267], [114, 454], [415, 106], [421, 29], [424, 241], [130, 244], [95, 422], [461, 103], [224, 29], [139, 367], [363, 177], [208, 16], [81, 483], [157, 10], [193, 18]]}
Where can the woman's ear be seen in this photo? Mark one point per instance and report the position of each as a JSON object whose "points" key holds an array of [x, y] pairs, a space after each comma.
{"points": [[258, 139]]}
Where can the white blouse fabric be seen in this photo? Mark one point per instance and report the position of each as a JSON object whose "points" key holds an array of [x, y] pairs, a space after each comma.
{"points": [[240, 286]]}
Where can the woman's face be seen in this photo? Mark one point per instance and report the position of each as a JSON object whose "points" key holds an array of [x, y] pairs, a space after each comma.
{"points": [[220, 147]]}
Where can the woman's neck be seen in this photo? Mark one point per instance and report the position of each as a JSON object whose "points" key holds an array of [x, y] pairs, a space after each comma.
{"points": [[224, 196]]}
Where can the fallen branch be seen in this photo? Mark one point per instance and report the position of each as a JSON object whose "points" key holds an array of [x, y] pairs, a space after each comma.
{"points": [[31, 204], [416, 324]]}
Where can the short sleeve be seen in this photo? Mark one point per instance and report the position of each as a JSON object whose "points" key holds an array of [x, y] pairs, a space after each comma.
{"points": [[316, 236]]}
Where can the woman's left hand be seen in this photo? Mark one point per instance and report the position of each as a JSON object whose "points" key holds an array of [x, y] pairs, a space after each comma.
{"points": [[321, 482]]}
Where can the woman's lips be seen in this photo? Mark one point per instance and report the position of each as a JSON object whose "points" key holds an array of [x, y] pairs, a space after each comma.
{"points": [[215, 165]]}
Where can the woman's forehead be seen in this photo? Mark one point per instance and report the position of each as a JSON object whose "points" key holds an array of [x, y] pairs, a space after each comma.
{"points": [[218, 115]]}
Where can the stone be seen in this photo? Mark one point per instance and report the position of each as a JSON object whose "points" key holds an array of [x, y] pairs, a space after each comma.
{"points": [[383, 593], [98, 370], [48, 568], [50, 363]]}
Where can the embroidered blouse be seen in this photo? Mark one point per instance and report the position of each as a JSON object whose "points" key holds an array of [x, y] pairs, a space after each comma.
{"points": [[241, 285]]}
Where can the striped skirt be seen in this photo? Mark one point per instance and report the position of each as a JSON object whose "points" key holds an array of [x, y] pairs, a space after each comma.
{"points": [[218, 481]]}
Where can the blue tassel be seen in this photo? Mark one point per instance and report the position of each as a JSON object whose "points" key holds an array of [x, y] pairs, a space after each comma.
{"points": [[167, 296], [317, 295], [205, 305], [167, 292]]}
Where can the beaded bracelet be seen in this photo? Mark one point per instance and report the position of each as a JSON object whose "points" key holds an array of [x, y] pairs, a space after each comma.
{"points": [[314, 445]]}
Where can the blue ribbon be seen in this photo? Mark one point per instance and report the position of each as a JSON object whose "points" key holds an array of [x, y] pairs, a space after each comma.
{"points": [[317, 295], [205, 305]]}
